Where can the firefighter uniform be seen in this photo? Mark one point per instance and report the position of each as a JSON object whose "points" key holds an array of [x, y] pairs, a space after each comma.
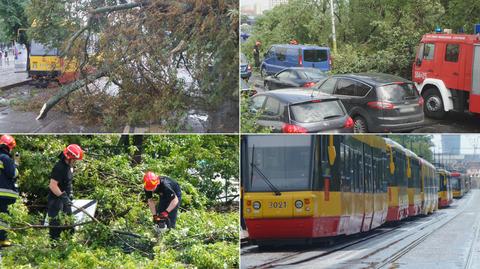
{"points": [[167, 189], [62, 172], [8, 188]]}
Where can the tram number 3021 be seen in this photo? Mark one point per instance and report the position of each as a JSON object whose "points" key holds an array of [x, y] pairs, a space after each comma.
{"points": [[278, 205]]}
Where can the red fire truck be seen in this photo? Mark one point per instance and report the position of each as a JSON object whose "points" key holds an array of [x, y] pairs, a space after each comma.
{"points": [[447, 73]]}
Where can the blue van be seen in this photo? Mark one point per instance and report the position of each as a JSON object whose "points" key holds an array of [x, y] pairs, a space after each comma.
{"points": [[279, 57]]}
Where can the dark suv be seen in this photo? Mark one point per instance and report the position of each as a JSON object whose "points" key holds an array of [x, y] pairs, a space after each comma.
{"points": [[299, 111], [377, 102]]}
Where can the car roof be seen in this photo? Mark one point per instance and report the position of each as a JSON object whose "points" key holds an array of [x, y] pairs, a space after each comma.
{"points": [[300, 46], [296, 95], [376, 79]]}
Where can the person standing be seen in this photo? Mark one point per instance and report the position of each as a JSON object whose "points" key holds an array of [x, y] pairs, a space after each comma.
{"points": [[170, 197], [8, 180], [256, 53], [60, 194]]}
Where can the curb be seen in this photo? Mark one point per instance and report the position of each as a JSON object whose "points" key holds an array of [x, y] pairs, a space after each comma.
{"points": [[4, 88]]}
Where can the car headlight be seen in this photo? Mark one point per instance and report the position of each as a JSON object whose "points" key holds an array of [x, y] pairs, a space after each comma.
{"points": [[256, 205], [298, 204]]}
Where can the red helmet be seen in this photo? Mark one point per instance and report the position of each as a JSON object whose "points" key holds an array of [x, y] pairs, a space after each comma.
{"points": [[150, 181], [8, 141], [73, 151]]}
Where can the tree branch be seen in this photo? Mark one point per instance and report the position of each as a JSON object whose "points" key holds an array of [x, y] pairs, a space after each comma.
{"points": [[66, 90]]}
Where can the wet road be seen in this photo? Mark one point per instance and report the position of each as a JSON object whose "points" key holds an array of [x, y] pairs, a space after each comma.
{"points": [[455, 122], [449, 238]]}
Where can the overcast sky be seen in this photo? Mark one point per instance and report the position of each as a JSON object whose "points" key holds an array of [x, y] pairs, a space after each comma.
{"points": [[467, 143]]}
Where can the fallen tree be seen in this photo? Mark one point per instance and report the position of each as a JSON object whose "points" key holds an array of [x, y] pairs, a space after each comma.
{"points": [[138, 47]]}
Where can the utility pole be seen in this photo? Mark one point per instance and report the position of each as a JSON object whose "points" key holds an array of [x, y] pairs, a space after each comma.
{"points": [[334, 36]]}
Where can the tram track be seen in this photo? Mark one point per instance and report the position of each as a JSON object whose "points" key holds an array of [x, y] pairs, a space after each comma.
{"points": [[273, 263], [469, 261], [284, 261], [412, 245]]}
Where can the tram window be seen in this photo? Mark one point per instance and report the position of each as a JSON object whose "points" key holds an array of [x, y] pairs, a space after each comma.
{"points": [[284, 161]]}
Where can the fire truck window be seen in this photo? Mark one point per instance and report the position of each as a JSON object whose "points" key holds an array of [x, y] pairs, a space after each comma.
{"points": [[451, 53], [429, 51]]}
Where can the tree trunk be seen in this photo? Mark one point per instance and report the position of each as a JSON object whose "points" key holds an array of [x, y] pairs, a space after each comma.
{"points": [[138, 142]]}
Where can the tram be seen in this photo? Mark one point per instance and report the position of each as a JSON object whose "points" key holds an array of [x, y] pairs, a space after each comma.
{"points": [[46, 65], [445, 194], [307, 186], [458, 184]]}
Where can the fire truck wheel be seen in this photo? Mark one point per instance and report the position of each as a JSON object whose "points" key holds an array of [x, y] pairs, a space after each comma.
{"points": [[433, 107]]}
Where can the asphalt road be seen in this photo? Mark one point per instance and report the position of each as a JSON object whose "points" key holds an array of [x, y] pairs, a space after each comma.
{"points": [[448, 238], [455, 122]]}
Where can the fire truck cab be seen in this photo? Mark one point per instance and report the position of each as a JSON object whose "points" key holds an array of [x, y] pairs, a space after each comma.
{"points": [[446, 71]]}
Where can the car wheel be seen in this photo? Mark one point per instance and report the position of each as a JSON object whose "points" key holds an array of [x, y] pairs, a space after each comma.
{"points": [[433, 107], [360, 125]]}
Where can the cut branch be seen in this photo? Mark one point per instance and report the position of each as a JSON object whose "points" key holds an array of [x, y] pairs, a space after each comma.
{"points": [[38, 226], [67, 90]]}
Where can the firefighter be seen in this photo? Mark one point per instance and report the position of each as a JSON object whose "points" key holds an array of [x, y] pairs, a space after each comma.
{"points": [[8, 178], [170, 197], [60, 194], [256, 53]]}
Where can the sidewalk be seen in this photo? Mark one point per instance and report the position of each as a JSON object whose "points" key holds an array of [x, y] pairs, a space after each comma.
{"points": [[13, 72]]}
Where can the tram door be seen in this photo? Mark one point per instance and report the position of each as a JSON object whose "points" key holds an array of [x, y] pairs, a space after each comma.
{"points": [[368, 185]]}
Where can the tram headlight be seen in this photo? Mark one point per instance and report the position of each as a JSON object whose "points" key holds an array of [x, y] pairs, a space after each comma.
{"points": [[256, 205], [298, 204]]}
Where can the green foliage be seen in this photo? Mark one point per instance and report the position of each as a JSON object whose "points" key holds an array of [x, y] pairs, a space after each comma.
{"points": [[420, 144], [125, 237], [14, 17], [249, 120], [371, 37]]}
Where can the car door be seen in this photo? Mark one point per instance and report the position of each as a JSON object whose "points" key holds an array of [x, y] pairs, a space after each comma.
{"points": [[272, 114], [269, 59], [345, 91], [328, 86]]}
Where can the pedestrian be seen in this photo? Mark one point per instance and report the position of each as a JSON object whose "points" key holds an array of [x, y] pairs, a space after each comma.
{"points": [[60, 194], [8, 181], [6, 56], [256, 53], [170, 198]]}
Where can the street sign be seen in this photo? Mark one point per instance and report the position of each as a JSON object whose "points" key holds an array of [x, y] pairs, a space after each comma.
{"points": [[477, 28]]}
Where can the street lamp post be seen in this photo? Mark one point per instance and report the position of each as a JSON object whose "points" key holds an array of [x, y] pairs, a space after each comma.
{"points": [[334, 36]]}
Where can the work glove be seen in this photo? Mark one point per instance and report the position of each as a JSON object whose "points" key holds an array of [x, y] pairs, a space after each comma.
{"points": [[164, 214], [65, 198]]}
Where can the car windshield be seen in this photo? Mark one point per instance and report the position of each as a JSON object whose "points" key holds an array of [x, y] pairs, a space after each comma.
{"points": [[316, 112], [283, 159], [397, 92], [312, 74], [315, 55]]}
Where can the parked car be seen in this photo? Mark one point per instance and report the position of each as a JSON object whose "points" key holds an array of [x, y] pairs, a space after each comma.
{"points": [[245, 67], [279, 57], [377, 102], [298, 111], [246, 90], [294, 77]]}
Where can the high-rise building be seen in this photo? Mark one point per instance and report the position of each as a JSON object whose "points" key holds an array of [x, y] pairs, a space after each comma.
{"points": [[451, 144], [274, 3]]}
